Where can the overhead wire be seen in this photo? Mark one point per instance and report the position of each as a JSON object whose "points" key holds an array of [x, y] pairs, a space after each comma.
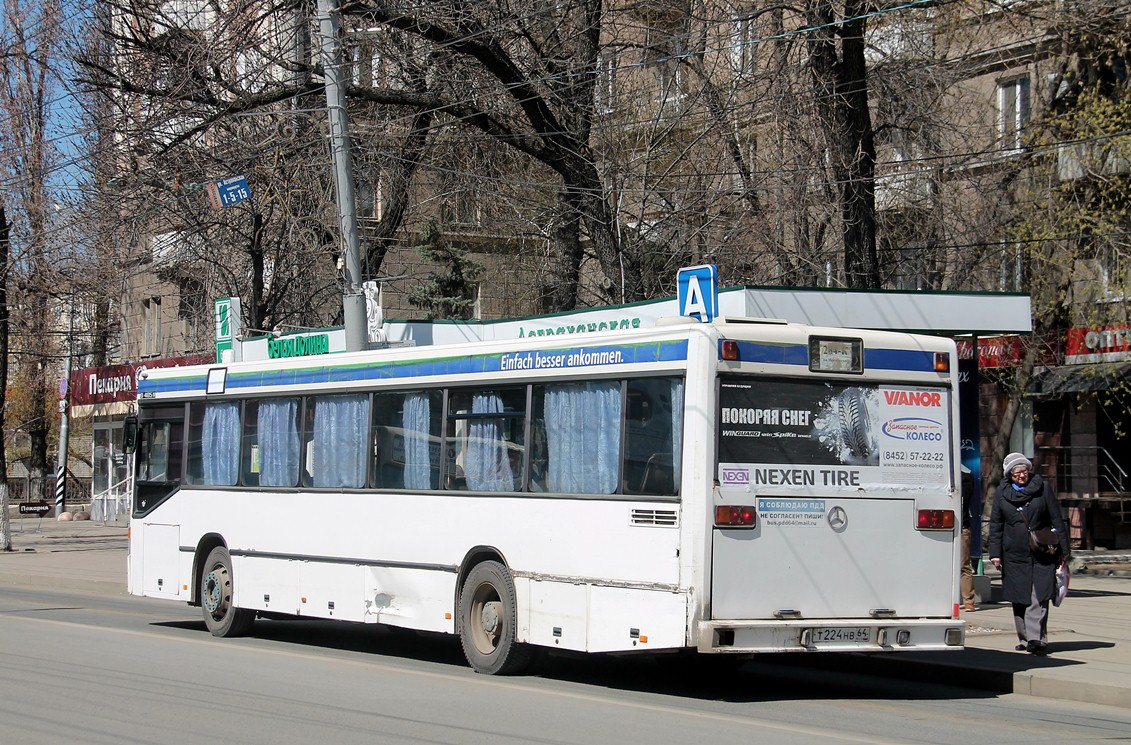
{"points": [[715, 50], [748, 42]]}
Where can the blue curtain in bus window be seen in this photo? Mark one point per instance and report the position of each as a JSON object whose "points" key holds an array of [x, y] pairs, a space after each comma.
{"points": [[220, 443], [340, 427], [488, 467], [677, 430], [415, 423], [278, 442], [583, 437]]}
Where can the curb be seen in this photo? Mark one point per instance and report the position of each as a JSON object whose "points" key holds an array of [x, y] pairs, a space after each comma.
{"points": [[959, 675]]}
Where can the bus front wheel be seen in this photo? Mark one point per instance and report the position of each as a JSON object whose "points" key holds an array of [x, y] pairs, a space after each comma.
{"points": [[487, 622], [221, 617]]}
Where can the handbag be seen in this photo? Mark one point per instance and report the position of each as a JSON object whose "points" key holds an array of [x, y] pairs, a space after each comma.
{"points": [[1042, 540]]}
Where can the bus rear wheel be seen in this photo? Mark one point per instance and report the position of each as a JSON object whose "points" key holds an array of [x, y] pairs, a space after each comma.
{"points": [[221, 617], [487, 622]]}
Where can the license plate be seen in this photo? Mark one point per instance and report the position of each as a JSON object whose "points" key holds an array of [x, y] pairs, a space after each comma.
{"points": [[835, 635]]}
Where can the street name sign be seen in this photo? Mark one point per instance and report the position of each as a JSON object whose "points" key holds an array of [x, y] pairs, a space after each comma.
{"points": [[229, 191]]}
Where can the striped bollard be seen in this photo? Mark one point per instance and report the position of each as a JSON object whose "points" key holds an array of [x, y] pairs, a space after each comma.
{"points": [[60, 491]]}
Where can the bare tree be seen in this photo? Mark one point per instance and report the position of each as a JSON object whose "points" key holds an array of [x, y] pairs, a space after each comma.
{"points": [[5, 523], [32, 30]]}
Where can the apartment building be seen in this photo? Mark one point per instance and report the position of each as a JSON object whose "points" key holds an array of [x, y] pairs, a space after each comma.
{"points": [[709, 140]]}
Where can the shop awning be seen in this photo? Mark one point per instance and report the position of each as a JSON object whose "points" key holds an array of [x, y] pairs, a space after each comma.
{"points": [[1061, 379]]}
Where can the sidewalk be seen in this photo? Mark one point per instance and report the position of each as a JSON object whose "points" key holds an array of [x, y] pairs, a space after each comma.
{"points": [[1089, 648], [1089, 635], [80, 555]]}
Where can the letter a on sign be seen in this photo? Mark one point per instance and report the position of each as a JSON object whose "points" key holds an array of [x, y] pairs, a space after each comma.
{"points": [[699, 292]]}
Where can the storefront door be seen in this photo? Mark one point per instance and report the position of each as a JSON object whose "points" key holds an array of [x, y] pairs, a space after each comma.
{"points": [[112, 481]]}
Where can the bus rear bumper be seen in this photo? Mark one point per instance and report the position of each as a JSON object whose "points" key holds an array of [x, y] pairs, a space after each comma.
{"points": [[837, 635]]}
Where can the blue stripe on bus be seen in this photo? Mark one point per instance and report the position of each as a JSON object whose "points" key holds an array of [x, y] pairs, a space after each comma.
{"points": [[907, 360], [911, 360], [567, 358], [775, 354]]}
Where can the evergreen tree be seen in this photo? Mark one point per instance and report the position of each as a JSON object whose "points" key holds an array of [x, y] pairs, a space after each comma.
{"points": [[450, 289]]}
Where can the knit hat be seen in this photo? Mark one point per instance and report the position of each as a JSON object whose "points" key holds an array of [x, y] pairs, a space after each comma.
{"points": [[1017, 459]]}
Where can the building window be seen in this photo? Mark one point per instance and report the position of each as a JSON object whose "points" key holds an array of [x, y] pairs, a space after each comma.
{"points": [[742, 45], [1011, 267], [376, 64], [669, 79], [369, 197], [605, 88], [1112, 275], [355, 64], [152, 319], [1013, 105], [664, 54], [749, 150], [1106, 265], [461, 208]]}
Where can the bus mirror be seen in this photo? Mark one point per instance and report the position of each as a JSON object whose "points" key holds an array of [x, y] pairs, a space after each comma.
{"points": [[129, 435]]}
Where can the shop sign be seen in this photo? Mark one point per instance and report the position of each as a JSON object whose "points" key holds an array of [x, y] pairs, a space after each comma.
{"points": [[612, 323], [1088, 344], [112, 383], [1002, 351], [993, 351], [298, 346]]}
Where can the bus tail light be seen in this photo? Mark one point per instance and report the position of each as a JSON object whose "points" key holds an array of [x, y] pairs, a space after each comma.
{"points": [[735, 516], [730, 350], [935, 520], [942, 362]]}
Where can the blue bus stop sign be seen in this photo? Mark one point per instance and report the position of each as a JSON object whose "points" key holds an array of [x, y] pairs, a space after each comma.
{"points": [[699, 292]]}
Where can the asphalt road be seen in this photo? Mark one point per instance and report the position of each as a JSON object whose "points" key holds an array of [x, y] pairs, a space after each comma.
{"points": [[84, 668]]}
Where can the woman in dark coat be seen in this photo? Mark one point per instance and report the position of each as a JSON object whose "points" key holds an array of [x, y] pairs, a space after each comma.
{"points": [[1024, 501]]}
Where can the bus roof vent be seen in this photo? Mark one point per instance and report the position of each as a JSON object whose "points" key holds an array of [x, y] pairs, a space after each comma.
{"points": [[743, 319], [657, 518], [676, 321]]}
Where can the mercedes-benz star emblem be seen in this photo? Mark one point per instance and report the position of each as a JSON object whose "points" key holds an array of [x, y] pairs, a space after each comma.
{"points": [[837, 518]]}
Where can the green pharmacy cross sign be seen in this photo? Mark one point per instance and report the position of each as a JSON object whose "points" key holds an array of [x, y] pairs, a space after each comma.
{"points": [[226, 314]]}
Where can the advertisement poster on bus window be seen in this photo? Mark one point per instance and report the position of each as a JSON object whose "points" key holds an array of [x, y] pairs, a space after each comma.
{"points": [[815, 435]]}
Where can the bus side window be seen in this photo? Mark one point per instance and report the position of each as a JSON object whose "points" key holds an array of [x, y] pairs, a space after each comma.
{"points": [[214, 443], [576, 433], [653, 431], [159, 452], [158, 456], [485, 440], [249, 451], [406, 440], [271, 442], [336, 441]]}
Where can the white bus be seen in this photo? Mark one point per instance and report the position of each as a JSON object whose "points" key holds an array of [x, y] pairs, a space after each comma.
{"points": [[731, 487]]}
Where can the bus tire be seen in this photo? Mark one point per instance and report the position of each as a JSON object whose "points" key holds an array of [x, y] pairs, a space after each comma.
{"points": [[216, 586], [487, 622]]}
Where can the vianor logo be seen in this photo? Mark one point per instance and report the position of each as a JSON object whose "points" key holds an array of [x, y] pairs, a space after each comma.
{"points": [[913, 398]]}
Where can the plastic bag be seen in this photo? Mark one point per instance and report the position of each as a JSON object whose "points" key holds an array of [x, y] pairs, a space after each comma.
{"points": [[1062, 576]]}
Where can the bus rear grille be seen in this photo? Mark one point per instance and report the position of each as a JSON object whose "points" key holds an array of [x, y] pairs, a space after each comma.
{"points": [[661, 518]]}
